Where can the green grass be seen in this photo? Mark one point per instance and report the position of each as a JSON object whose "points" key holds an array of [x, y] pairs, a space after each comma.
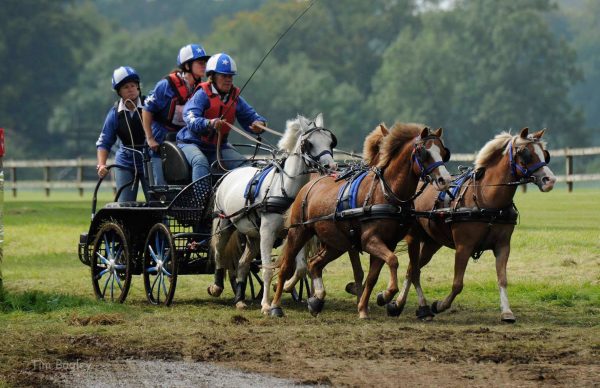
{"points": [[554, 284]]}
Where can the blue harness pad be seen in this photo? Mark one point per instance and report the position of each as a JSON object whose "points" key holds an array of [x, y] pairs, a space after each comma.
{"points": [[257, 182], [456, 185], [350, 188]]}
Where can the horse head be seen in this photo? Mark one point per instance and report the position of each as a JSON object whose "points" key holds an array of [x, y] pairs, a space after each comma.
{"points": [[529, 159], [316, 143], [429, 157]]}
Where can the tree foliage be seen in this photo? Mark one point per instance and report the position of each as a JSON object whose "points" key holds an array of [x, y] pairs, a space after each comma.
{"points": [[475, 68], [40, 52], [500, 68]]}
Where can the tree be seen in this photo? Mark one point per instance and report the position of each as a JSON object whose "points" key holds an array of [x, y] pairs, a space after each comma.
{"points": [[584, 23], [481, 67], [78, 117], [324, 64], [42, 45]]}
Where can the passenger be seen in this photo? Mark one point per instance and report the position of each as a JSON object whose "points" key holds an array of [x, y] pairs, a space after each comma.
{"points": [[214, 103], [124, 121], [164, 105]]}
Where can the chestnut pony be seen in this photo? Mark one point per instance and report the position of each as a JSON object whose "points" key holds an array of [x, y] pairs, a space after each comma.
{"points": [[386, 192], [480, 217]]}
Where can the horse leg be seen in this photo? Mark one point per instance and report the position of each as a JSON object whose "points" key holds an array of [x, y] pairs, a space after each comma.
{"points": [[299, 273], [243, 269], [315, 268], [428, 249], [270, 225], [375, 265], [502, 251], [413, 243], [221, 233], [461, 259], [356, 287], [296, 239], [376, 247]]}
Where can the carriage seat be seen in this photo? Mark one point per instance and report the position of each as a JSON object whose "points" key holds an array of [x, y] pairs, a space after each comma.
{"points": [[176, 169]]}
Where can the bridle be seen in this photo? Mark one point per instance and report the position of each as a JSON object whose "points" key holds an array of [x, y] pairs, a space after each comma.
{"points": [[525, 155], [420, 152], [312, 161]]}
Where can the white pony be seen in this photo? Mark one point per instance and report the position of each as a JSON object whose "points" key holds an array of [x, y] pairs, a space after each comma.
{"points": [[307, 145]]}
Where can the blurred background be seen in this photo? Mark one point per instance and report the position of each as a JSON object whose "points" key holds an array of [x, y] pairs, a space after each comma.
{"points": [[474, 67]]}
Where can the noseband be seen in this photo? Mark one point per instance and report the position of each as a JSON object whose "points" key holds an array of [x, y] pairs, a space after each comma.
{"points": [[527, 172]]}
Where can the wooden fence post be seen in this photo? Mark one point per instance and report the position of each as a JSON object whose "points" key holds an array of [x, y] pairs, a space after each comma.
{"points": [[80, 176], [47, 180], [13, 180], [569, 170]]}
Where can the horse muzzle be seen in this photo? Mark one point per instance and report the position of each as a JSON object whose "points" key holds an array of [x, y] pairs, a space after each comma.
{"points": [[545, 182]]}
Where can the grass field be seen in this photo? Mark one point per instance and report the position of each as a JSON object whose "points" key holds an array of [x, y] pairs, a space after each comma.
{"points": [[48, 312]]}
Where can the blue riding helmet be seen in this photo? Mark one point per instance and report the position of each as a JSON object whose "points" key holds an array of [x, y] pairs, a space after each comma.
{"points": [[122, 75], [221, 63], [190, 53]]}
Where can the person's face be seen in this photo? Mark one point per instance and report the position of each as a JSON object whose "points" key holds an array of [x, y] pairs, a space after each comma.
{"points": [[223, 82], [198, 68], [129, 91]]}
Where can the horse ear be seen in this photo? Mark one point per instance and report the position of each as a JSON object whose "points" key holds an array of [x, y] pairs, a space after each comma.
{"points": [[384, 130], [438, 132], [524, 132], [319, 120], [425, 132], [539, 134]]}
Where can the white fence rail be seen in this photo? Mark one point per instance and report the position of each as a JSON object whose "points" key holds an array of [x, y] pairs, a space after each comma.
{"points": [[11, 168]]}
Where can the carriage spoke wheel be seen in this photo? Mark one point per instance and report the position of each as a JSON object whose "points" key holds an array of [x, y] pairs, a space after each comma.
{"points": [[110, 264], [160, 266], [302, 290]]}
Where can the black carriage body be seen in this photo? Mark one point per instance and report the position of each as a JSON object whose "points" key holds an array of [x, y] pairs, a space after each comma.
{"points": [[187, 217]]}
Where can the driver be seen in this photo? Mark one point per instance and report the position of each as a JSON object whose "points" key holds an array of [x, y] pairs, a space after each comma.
{"points": [[214, 103]]}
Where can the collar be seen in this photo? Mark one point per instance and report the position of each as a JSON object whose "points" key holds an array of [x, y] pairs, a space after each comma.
{"points": [[223, 97], [122, 106]]}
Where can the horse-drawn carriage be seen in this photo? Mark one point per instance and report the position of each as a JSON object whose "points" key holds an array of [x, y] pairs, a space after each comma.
{"points": [[170, 233], [166, 236]]}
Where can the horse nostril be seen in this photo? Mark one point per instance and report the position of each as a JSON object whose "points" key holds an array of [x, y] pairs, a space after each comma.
{"points": [[441, 181], [545, 180]]}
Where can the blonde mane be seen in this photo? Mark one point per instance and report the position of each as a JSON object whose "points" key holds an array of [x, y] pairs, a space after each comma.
{"points": [[499, 144], [290, 136], [372, 144], [400, 134]]}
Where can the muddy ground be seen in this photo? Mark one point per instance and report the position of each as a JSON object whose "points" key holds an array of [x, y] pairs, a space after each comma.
{"points": [[321, 351]]}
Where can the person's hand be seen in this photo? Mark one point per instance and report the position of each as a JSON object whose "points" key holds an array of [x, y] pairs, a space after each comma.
{"points": [[217, 125], [255, 127], [102, 170], [153, 144]]}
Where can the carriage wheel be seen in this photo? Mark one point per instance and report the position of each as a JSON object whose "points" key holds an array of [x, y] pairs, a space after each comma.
{"points": [[160, 266], [302, 290], [256, 290], [110, 264]]}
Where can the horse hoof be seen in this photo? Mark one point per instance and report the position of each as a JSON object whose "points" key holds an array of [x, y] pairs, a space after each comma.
{"points": [[351, 288], [434, 307], [393, 310], [315, 305], [380, 299], [214, 290], [508, 318], [241, 305], [276, 312], [424, 313]]}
